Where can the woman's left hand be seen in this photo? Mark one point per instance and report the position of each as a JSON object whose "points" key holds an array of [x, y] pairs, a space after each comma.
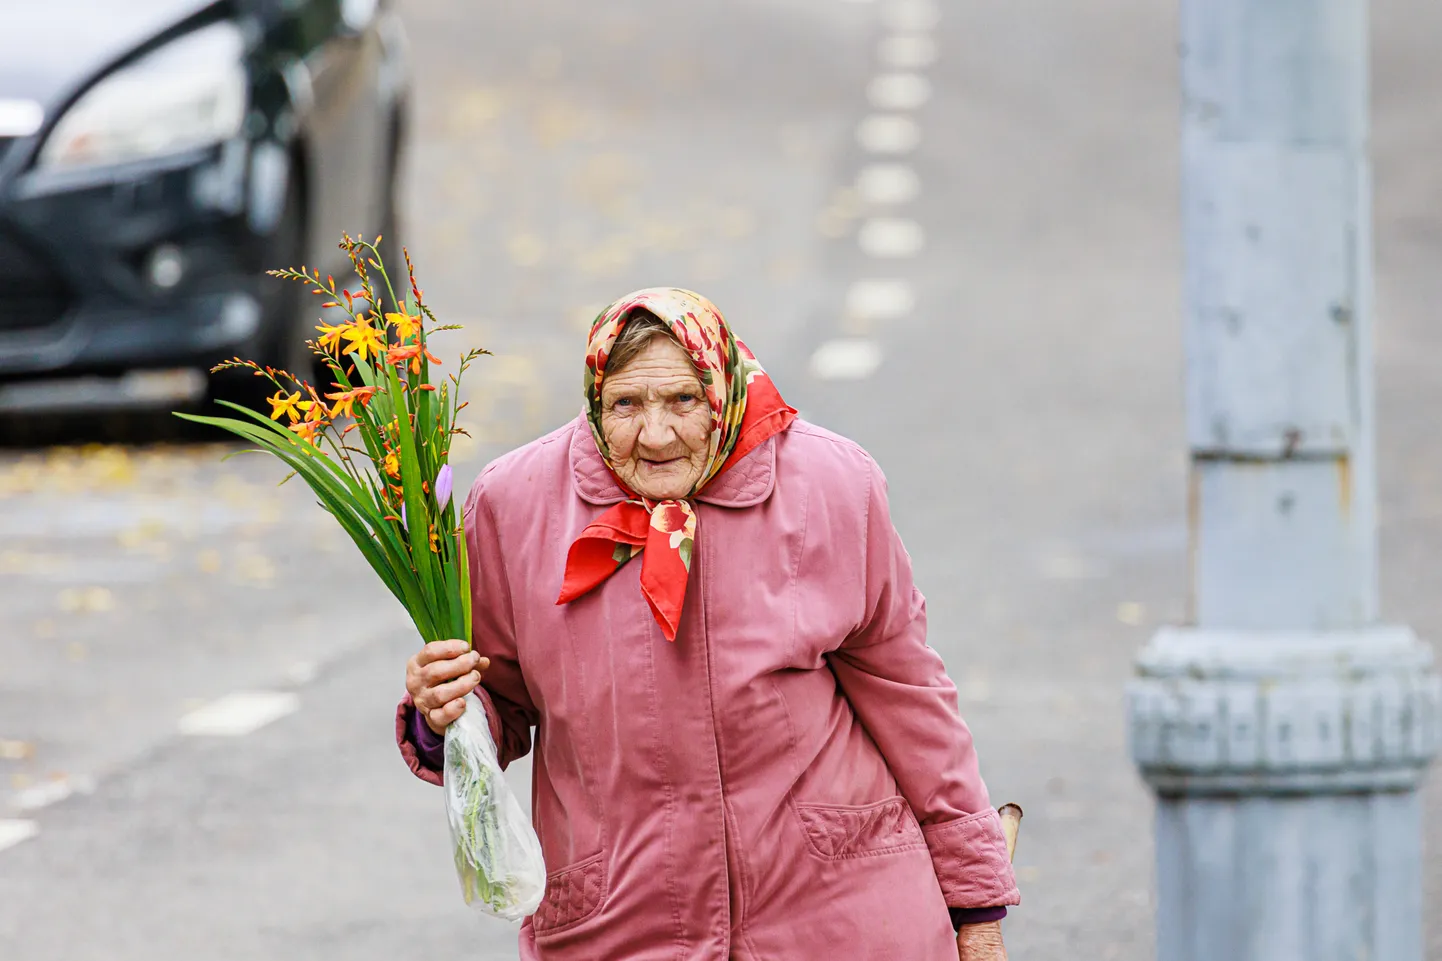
{"points": [[980, 942]]}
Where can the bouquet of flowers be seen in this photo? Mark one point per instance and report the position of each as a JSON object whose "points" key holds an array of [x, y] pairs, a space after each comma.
{"points": [[392, 495]]}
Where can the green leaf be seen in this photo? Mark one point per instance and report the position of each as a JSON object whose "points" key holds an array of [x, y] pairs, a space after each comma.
{"points": [[356, 515], [463, 568], [417, 517]]}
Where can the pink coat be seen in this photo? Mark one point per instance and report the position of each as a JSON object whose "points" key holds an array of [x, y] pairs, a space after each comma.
{"points": [[790, 779]]}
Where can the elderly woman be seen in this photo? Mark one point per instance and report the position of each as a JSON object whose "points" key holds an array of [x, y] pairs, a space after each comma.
{"points": [[744, 747]]}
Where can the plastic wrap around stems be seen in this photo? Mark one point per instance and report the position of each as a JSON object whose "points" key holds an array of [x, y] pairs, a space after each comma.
{"points": [[498, 856]]}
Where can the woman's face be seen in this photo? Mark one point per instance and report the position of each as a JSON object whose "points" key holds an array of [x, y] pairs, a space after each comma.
{"points": [[656, 421]]}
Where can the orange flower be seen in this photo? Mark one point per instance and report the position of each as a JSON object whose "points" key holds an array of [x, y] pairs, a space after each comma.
{"points": [[392, 464], [412, 353], [406, 325], [307, 429], [346, 399]]}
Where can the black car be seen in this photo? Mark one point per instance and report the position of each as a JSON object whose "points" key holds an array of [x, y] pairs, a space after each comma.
{"points": [[156, 157]]}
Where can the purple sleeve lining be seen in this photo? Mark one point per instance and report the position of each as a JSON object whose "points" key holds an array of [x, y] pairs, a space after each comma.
{"points": [[962, 916], [430, 746]]}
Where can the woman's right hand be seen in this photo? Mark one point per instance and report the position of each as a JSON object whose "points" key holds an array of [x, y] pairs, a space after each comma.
{"points": [[439, 677]]}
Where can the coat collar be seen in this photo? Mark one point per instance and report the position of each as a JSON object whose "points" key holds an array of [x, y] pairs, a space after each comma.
{"points": [[746, 483]]}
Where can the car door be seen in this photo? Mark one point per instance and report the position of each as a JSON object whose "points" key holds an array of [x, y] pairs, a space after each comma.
{"points": [[333, 53]]}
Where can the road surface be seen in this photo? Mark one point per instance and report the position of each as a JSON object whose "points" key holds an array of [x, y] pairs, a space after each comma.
{"points": [[197, 674]]}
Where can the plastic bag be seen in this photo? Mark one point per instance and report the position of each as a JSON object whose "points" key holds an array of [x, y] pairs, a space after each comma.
{"points": [[498, 856]]}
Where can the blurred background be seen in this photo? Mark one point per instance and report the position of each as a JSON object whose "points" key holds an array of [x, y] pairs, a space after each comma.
{"points": [[949, 230]]}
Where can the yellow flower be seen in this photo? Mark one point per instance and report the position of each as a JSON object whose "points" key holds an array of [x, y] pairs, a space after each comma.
{"points": [[281, 404], [330, 339], [315, 420], [406, 326], [392, 464], [364, 340]]}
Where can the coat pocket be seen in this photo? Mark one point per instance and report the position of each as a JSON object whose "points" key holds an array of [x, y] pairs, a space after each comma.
{"points": [[839, 831], [573, 894]]}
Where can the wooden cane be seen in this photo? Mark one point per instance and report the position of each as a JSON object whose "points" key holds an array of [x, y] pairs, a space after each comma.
{"points": [[1010, 825]]}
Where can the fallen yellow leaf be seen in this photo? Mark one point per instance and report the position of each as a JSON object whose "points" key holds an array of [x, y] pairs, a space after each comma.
{"points": [[526, 249], [146, 531], [610, 256], [472, 109], [556, 122], [88, 600], [737, 222], [256, 568], [831, 224], [16, 750], [1131, 613]]}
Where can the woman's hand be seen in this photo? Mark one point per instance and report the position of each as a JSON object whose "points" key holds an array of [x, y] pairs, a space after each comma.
{"points": [[439, 677], [980, 942]]}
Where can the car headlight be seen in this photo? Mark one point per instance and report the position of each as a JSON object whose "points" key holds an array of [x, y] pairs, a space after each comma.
{"points": [[188, 93]]}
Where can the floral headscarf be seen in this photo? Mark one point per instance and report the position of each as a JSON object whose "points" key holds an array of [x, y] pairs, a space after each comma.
{"points": [[746, 410]]}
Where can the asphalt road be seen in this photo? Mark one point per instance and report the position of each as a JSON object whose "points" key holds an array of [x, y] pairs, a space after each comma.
{"points": [[1016, 373]]}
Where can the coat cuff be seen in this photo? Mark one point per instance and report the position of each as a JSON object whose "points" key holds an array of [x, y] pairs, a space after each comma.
{"points": [[969, 855], [405, 740], [961, 917], [429, 745]]}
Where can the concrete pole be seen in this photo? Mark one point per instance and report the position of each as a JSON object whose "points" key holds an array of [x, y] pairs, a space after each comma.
{"points": [[1284, 729]]}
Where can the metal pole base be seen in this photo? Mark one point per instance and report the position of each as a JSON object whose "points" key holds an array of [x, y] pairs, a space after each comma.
{"points": [[1290, 878], [1286, 766]]}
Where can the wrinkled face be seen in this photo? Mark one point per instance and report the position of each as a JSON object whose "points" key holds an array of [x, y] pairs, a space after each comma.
{"points": [[656, 421]]}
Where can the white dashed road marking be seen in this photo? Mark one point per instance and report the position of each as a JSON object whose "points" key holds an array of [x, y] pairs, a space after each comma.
{"points": [[12, 832], [302, 672], [898, 91], [42, 795], [851, 359], [891, 237], [239, 713], [52, 792], [880, 300], [884, 186], [888, 183], [907, 51], [888, 134]]}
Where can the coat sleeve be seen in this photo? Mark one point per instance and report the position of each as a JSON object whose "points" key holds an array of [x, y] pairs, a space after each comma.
{"points": [[503, 691], [900, 692]]}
